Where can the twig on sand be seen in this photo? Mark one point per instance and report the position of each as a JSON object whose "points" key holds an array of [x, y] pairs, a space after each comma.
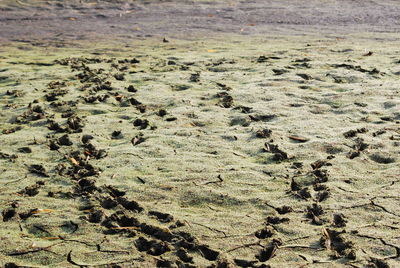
{"points": [[239, 155], [210, 228], [298, 238], [71, 261], [299, 246], [244, 246], [19, 253], [218, 181], [14, 181]]}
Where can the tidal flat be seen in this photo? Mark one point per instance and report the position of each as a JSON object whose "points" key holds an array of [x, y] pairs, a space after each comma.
{"points": [[279, 151]]}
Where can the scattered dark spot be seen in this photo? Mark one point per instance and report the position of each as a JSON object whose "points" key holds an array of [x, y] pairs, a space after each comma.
{"points": [[137, 140], [334, 240], [158, 248], [119, 77], [86, 185], [64, 140], [162, 217], [265, 58], [320, 187], [25, 150], [11, 157], [284, 209], [361, 104], [388, 105], [208, 253], [294, 186], [129, 205], [379, 132], [314, 210], [279, 71], [353, 133], [131, 88], [194, 77], [177, 224], [160, 233], [53, 145], [26, 215], [134, 101], [279, 155], [226, 101], [339, 220], [353, 154], [244, 263], [125, 221], [164, 263], [263, 133], [11, 265], [11, 130], [91, 150], [360, 145], [114, 192], [95, 216], [39, 170], [152, 247], [8, 213], [382, 159], [162, 112], [116, 134], [31, 190], [269, 251], [170, 119], [86, 138], [322, 196], [108, 203], [183, 255], [262, 117], [304, 193], [186, 240], [141, 123], [276, 220], [305, 76], [55, 126], [223, 86], [320, 163], [181, 87], [243, 109], [379, 263], [142, 244], [265, 233]]}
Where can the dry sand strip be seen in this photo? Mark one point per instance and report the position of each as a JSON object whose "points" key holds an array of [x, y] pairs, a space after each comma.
{"points": [[257, 152]]}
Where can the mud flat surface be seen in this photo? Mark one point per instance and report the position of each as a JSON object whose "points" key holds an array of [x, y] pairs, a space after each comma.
{"points": [[272, 150], [84, 19], [201, 154]]}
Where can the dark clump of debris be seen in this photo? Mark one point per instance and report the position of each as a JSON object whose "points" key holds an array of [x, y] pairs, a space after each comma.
{"points": [[335, 241], [279, 155]]}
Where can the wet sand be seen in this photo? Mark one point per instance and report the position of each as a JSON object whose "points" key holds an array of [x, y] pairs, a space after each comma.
{"points": [[65, 20]]}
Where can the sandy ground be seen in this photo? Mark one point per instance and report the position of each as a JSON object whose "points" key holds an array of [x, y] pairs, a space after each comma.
{"points": [[240, 150]]}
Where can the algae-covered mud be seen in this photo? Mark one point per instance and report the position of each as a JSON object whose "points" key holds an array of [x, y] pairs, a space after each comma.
{"points": [[256, 152]]}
